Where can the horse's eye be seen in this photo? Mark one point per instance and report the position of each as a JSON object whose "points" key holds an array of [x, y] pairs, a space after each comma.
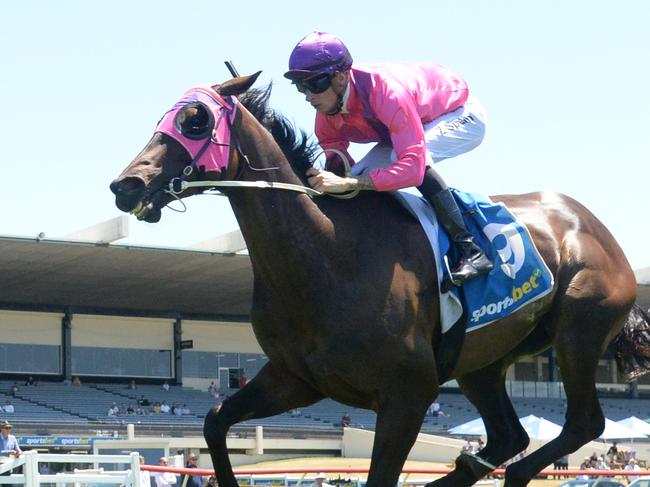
{"points": [[195, 121]]}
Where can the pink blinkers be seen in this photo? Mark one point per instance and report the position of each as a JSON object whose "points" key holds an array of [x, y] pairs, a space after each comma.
{"points": [[209, 150]]}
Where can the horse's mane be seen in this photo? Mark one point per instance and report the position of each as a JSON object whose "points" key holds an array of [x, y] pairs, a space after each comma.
{"points": [[297, 147]]}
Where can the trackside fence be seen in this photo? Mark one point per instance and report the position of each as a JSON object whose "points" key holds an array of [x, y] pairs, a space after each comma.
{"points": [[32, 478], [132, 477]]}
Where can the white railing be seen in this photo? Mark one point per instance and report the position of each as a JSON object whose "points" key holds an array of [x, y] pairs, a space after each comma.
{"points": [[31, 477]]}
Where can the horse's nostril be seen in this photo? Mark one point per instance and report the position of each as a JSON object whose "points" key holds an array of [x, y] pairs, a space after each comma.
{"points": [[127, 185]]}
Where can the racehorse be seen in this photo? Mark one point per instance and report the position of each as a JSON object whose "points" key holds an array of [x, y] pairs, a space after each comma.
{"points": [[345, 301]]}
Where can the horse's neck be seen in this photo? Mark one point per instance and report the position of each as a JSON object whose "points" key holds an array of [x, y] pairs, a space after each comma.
{"points": [[278, 225]]}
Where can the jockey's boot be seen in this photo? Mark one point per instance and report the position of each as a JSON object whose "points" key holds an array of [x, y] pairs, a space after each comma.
{"points": [[473, 261]]}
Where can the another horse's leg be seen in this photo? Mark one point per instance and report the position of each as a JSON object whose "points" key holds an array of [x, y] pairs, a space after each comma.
{"points": [[583, 328], [269, 393], [506, 437], [399, 418]]}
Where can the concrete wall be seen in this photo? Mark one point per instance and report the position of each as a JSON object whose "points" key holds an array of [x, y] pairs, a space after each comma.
{"points": [[429, 448]]}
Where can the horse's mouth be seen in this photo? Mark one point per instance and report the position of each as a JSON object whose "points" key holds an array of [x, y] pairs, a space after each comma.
{"points": [[147, 210]]}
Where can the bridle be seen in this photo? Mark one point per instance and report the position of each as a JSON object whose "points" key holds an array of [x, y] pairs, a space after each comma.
{"points": [[181, 183]]}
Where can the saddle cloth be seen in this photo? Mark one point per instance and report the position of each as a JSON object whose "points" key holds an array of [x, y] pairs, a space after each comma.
{"points": [[520, 275]]}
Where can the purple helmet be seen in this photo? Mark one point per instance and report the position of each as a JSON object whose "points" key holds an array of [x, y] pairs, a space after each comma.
{"points": [[317, 53]]}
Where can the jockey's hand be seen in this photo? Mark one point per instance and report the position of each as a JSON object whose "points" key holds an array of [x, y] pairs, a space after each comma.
{"points": [[328, 182]]}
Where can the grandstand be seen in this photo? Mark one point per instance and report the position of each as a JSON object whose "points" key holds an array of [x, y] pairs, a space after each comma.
{"points": [[56, 404]]}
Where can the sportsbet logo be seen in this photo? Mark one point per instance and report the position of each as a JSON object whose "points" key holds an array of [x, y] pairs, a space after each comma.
{"points": [[517, 293]]}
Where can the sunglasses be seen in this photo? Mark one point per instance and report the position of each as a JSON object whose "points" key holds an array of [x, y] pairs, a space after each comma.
{"points": [[316, 85]]}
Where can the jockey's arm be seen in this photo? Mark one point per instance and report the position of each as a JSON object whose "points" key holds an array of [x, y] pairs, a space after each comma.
{"points": [[400, 115]]}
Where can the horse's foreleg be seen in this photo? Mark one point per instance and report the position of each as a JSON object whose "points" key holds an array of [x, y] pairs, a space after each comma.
{"points": [[399, 420], [269, 393]]}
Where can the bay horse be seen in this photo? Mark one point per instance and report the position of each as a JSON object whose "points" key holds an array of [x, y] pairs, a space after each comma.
{"points": [[345, 301]]}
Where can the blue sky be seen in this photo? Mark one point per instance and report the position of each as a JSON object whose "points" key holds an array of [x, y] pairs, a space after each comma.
{"points": [[82, 84]]}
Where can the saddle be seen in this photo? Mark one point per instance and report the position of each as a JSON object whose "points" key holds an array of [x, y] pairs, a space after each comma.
{"points": [[520, 276]]}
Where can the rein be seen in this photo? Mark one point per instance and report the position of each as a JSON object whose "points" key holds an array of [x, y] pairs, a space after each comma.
{"points": [[178, 184]]}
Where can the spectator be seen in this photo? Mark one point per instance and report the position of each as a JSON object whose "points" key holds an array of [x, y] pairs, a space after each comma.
{"points": [[30, 381], [76, 381], [130, 409], [164, 479], [193, 480], [8, 443], [14, 389], [479, 445], [319, 481], [295, 413], [561, 464], [145, 476], [8, 407], [467, 447], [113, 410], [143, 401], [165, 386], [67, 382], [212, 389], [164, 407], [345, 420], [632, 466], [243, 380], [132, 385], [612, 453], [185, 410], [585, 465], [156, 407], [601, 464], [434, 409]]}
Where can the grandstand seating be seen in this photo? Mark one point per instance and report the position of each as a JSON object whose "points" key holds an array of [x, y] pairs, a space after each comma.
{"points": [[89, 403]]}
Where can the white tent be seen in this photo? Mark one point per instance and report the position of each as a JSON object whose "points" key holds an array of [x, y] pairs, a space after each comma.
{"points": [[537, 428], [540, 428], [471, 428], [616, 431], [636, 424]]}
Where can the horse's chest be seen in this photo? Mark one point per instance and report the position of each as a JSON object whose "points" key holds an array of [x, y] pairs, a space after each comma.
{"points": [[319, 365], [335, 378]]}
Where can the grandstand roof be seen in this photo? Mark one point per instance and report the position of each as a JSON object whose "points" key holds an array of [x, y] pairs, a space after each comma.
{"points": [[52, 273], [62, 273]]}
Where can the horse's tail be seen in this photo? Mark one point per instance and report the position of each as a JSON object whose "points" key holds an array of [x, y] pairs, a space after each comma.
{"points": [[631, 346]]}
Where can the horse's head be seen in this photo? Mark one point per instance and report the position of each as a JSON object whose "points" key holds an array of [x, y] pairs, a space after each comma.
{"points": [[193, 138]]}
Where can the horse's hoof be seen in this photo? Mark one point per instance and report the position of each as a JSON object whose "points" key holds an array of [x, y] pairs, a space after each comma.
{"points": [[478, 467]]}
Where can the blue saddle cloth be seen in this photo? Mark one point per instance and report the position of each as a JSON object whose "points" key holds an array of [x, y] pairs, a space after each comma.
{"points": [[520, 275]]}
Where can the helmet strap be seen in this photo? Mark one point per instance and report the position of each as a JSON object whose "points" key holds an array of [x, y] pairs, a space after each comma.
{"points": [[338, 107]]}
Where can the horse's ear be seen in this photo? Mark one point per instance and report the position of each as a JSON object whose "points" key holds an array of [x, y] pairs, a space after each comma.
{"points": [[236, 86]]}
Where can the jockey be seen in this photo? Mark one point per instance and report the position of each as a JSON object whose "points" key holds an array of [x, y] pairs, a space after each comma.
{"points": [[419, 113]]}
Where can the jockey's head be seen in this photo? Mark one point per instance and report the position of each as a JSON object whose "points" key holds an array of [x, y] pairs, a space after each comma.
{"points": [[319, 67]]}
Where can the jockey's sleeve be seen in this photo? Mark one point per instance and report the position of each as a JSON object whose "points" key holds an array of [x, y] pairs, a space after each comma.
{"points": [[328, 138], [396, 109]]}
